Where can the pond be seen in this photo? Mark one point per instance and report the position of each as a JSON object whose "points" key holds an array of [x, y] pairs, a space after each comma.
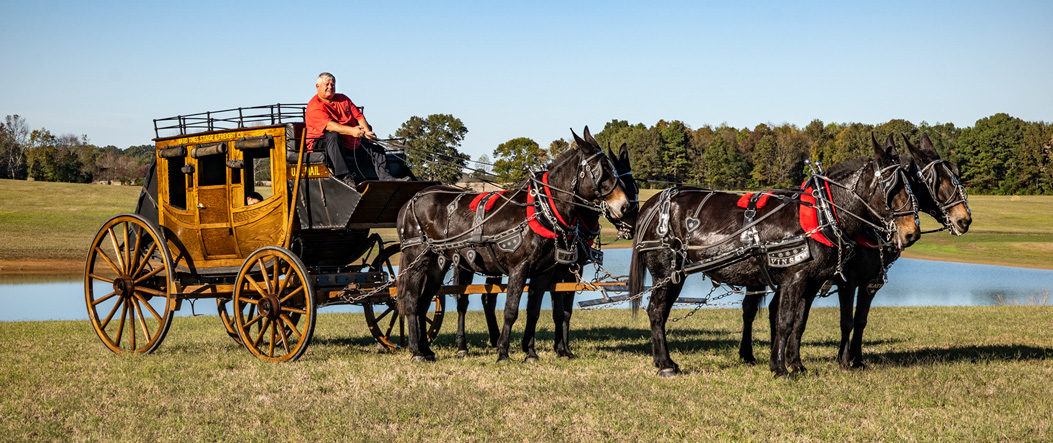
{"points": [[911, 283]]}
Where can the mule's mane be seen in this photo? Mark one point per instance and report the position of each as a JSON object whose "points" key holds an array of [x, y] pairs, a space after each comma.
{"points": [[846, 168]]}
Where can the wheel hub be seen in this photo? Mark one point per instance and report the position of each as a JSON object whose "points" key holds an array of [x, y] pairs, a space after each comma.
{"points": [[270, 307], [124, 286]]}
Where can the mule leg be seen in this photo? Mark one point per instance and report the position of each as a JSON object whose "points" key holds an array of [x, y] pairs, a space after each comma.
{"points": [[793, 349], [516, 281], [535, 296], [561, 313], [489, 306], [411, 296], [750, 305], [462, 277], [846, 298], [862, 313], [658, 307], [432, 282], [790, 309]]}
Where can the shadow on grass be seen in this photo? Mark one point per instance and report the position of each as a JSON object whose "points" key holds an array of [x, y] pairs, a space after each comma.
{"points": [[970, 354]]}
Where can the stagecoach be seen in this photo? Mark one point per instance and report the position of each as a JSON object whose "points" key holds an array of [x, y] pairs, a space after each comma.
{"points": [[269, 265]]}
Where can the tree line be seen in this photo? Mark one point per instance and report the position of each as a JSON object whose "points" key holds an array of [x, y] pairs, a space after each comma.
{"points": [[999, 154]]}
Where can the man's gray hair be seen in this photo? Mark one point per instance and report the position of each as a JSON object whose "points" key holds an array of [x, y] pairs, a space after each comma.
{"points": [[324, 76]]}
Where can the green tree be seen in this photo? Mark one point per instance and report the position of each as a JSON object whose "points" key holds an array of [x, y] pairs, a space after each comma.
{"points": [[558, 147], [1032, 173], [515, 159], [725, 165], [988, 153], [675, 167], [434, 143], [14, 140]]}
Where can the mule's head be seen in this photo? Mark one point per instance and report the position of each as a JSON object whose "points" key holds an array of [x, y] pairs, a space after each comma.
{"points": [[599, 181], [627, 224], [896, 195], [940, 193]]}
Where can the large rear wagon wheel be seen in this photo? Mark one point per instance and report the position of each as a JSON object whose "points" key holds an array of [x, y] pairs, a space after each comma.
{"points": [[273, 295], [383, 318], [128, 285]]}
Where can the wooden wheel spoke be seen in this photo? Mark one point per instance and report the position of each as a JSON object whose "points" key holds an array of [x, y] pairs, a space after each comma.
{"points": [[149, 274], [151, 291], [281, 334], [255, 319], [149, 307], [138, 269], [391, 323], [428, 320], [270, 343], [117, 251], [387, 311], [292, 326], [104, 298], [110, 315], [142, 320], [284, 282], [99, 277], [254, 284], [263, 330], [135, 256], [106, 258], [120, 325], [266, 278], [127, 255], [279, 283], [293, 310], [296, 291]]}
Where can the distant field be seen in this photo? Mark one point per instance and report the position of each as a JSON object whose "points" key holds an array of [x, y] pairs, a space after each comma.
{"points": [[54, 222]]}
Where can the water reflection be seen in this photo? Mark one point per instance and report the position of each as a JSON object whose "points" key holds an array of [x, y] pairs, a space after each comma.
{"points": [[911, 283]]}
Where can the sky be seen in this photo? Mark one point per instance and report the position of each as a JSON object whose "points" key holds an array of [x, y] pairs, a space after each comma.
{"points": [[533, 69]]}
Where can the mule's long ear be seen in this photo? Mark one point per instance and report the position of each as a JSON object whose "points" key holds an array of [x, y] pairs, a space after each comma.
{"points": [[623, 156], [578, 142], [890, 146], [879, 153], [926, 146], [589, 144], [915, 153]]}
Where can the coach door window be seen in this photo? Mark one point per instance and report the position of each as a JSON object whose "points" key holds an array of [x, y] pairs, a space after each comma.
{"points": [[178, 178]]}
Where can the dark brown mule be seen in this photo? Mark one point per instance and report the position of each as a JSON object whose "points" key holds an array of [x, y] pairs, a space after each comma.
{"points": [[934, 182], [562, 302], [532, 232], [686, 230]]}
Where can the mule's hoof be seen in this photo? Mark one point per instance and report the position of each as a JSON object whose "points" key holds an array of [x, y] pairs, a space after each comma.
{"points": [[859, 365], [533, 359], [749, 361], [669, 372], [462, 353], [503, 359], [781, 374], [423, 358]]}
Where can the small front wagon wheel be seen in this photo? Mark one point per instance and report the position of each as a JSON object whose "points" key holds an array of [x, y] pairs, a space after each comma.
{"points": [[274, 305], [128, 285], [383, 318]]}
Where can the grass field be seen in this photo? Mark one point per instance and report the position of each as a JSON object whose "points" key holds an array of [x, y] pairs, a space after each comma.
{"points": [[935, 374], [55, 222]]}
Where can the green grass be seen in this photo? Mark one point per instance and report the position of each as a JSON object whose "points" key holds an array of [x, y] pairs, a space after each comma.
{"points": [[41, 220], [936, 374]]}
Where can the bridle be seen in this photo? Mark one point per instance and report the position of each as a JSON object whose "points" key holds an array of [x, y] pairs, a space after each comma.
{"points": [[930, 177]]}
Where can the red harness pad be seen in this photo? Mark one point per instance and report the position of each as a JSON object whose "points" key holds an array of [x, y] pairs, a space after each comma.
{"points": [[744, 202], [474, 205], [808, 216]]}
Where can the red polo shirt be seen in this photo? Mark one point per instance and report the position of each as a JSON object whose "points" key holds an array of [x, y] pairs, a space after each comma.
{"points": [[340, 110]]}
